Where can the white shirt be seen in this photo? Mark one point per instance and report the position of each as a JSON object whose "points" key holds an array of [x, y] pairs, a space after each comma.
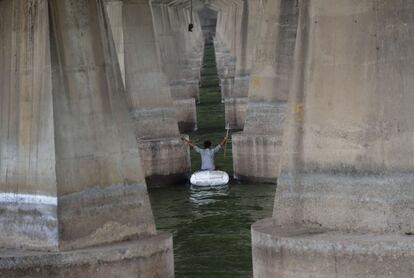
{"points": [[207, 157]]}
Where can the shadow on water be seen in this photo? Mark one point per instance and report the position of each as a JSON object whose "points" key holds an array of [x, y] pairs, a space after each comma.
{"points": [[211, 226]]}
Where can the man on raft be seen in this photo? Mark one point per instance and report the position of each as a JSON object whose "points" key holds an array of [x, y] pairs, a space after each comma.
{"points": [[207, 153]]}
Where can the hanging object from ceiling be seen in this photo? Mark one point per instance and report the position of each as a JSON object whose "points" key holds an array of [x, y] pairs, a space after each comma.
{"points": [[191, 25]]}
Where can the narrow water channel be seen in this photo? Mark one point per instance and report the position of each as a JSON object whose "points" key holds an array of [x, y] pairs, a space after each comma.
{"points": [[211, 227]]}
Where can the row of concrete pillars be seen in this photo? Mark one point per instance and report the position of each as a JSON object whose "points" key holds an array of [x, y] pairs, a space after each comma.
{"points": [[93, 96], [86, 116], [254, 43]]}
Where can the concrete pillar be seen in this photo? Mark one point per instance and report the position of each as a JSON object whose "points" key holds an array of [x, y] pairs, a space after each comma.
{"points": [[225, 60], [165, 158], [194, 49], [236, 102], [114, 12], [28, 190], [345, 196], [71, 173], [256, 150], [230, 45], [169, 34]]}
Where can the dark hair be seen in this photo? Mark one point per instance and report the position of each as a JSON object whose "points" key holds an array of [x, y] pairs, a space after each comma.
{"points": [[207, 144]]}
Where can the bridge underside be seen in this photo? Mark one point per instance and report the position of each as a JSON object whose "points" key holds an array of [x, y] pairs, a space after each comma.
{"points": [[95, 95]]}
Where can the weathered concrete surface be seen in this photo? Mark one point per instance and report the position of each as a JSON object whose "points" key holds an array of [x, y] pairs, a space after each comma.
{"points": [[151, 257], [114, 12], [248, 39], [257, 149], [186, 114], [160, 157], [170, 32], [28, 195], [148, 92], [253, 12], [295, 252], [344, 201], [237, 33], [149, 96], [97, 156], [224, 59], [256, 155], [114, 220], [350, 202], [71, 175], [226, 66], [226, 87], [225, 48], [235, 112]]}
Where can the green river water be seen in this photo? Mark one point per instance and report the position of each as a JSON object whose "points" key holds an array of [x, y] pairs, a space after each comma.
{"points": [[211, 226]]}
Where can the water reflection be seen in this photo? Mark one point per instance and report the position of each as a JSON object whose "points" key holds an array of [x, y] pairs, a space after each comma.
{"points": [[203, 195], [211, 226]]}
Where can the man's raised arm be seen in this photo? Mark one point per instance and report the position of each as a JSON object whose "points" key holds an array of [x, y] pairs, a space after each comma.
{"points": [[188, 142], [223, 141]]}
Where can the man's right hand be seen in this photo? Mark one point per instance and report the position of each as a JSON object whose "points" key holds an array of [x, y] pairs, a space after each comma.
{"points": [[188, 142]]}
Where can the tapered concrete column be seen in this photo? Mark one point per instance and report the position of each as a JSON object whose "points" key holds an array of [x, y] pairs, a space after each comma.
{"points": [[77, 155], [96, 153], [230, 41], [193, 46], [256, 151], [165, 157], [173, 57], [28, 189], [344, 203], [252, 14], [235, 104], [226, 71], [114, 12], [236, 101], [226, 65], [226, 27]]}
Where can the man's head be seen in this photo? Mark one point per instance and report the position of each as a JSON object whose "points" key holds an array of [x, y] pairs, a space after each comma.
{"points": [[207, 144]]}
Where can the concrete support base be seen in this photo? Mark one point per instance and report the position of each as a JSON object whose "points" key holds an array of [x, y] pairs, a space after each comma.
{"points": [[29, 222], [85, 222], [186, 114], [146, 257], [370, 203], [256, 157], [235, 112], [166, 161], [299, 253]]}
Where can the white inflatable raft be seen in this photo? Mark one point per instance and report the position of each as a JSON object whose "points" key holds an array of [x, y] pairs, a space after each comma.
{"points": [[209, 178]]}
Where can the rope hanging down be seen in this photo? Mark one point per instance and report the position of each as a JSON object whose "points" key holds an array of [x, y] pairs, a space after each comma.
{"points": [[191, 25]]}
